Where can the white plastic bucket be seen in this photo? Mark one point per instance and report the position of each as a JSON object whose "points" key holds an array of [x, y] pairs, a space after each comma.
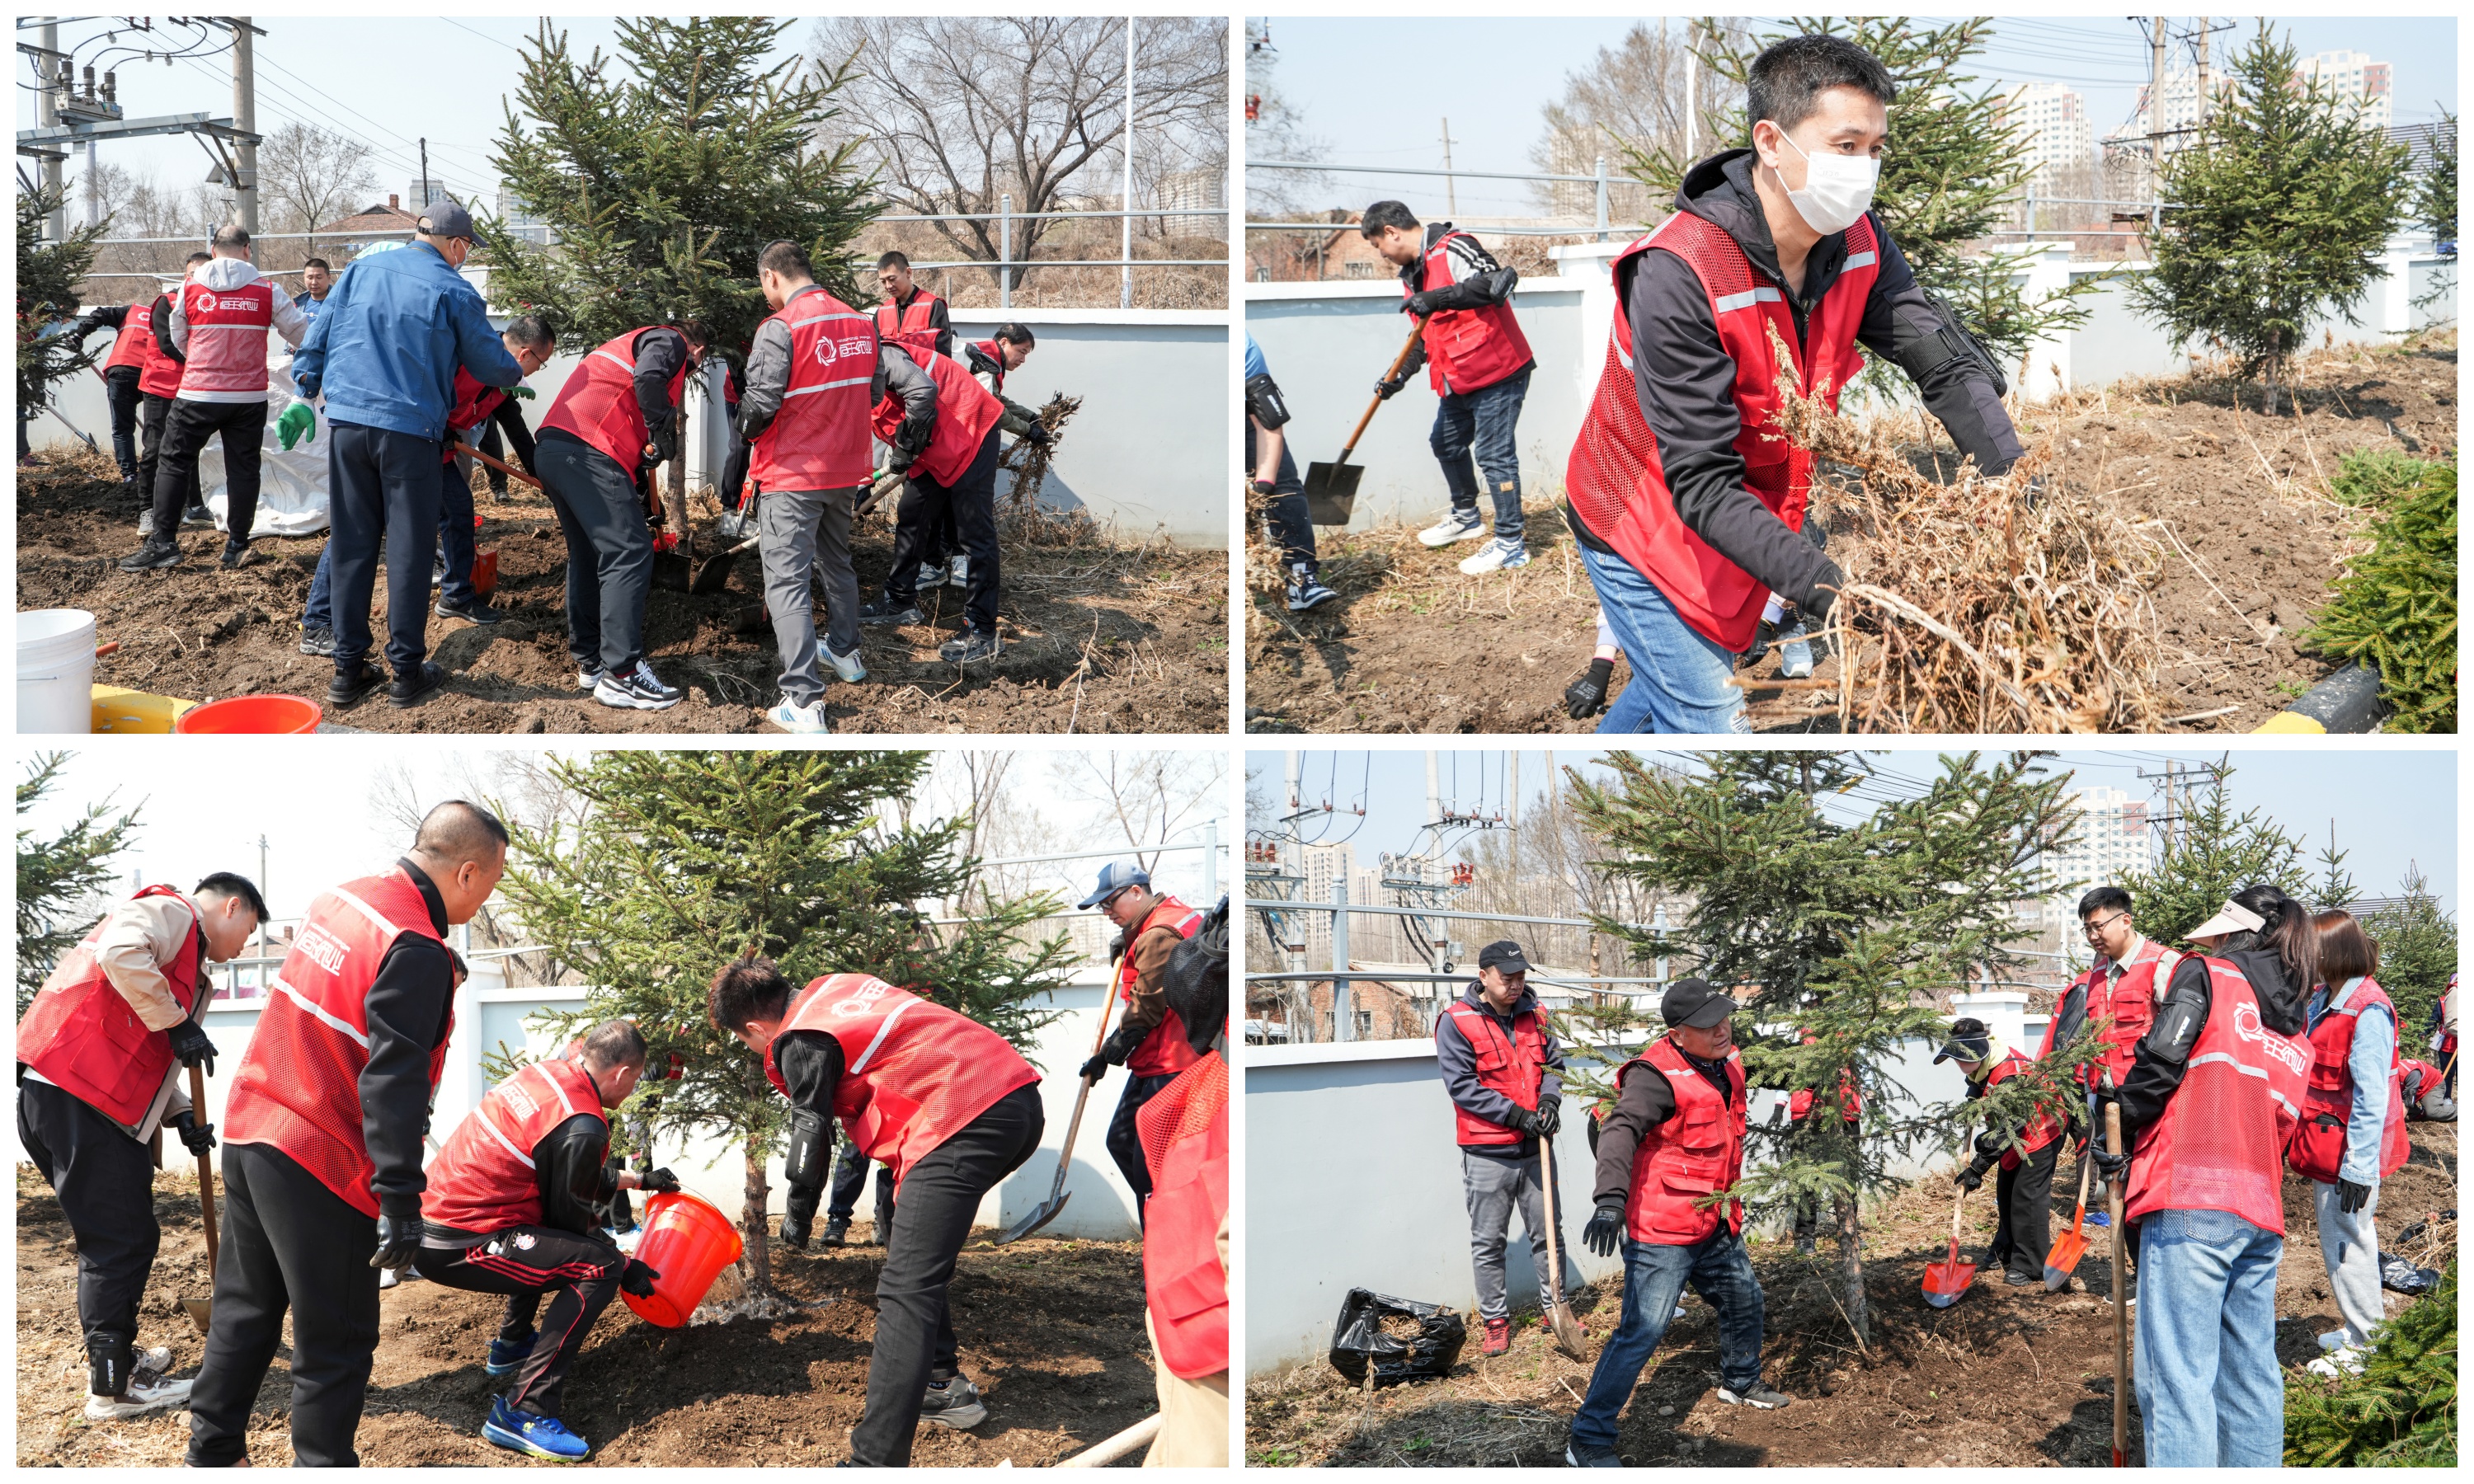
{"points": [[56, 670]]}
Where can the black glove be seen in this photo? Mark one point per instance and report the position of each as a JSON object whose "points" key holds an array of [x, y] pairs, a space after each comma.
{"points": [[1587, 696], [1550, 1115], [800, 1214], [1604, 1235], [1419, 304], [190, 1044], [1386, 389], [1095, 1068], [2112, 1166], [2351, 1197], [1038, 436], [1972, 1178], [638, 1278], [661, 1179], [201, 1136], [899, 461], [398, 1238], [1525, 1120], [1123, 1043], [1816, 608]]}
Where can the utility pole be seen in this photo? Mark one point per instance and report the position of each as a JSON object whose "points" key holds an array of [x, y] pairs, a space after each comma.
{"points": [[1511, 812], [1125, 285], [2203, 74], [2156, 108], [420, 208], [1451, 185], [244, 69], [1434, 794], [261, 892], [1692, 115], [47, 112]]}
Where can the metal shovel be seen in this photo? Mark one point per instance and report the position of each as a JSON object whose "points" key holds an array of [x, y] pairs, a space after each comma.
{"points": [[1944, 1282], [1046, 1210], [1558, 1315], [2064, 1259], [1331, 488], [202, 1310]]}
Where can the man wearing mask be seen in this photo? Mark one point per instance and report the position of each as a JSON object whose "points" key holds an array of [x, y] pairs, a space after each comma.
{"points": [[1689, 513], [99, 1058]]}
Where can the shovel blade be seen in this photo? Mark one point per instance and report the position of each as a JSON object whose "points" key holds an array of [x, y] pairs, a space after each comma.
{"points": [[1568, 1334], [673, 572], [1331, 492], [201, 1312], [1040, 1217], [2063, 1260], [711, 574], [1946, 1282]]}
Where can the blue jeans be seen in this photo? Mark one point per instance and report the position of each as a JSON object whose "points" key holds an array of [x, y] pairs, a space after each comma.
{"points": [[1485, 419], [1679, 678], [1289, 517], [455, 533], [2210, 1391], [1721, 1271], [319, 612]]}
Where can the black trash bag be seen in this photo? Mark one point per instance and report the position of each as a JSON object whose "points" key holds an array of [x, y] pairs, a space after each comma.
{"points": [[1358, 1340], [2413, 1233], [2405, 1277]]}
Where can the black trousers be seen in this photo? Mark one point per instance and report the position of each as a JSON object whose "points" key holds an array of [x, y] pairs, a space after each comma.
{"points": [[288, 1243], [914, 1323], [579, 1276], [2025, 1198], [105, 1183], [153, 412], [242, 426], [609, 551], [734, 469], [850, 1175], [1289, 517], [120, 390], [1125, 1141], [379, 481], [971, 502]]}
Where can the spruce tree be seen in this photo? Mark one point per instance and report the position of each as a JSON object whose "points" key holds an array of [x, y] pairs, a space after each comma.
{"points": [[2418, 953], [2278, 213], [2212, 853], [48, 276], [58, 875], [679, 862]]}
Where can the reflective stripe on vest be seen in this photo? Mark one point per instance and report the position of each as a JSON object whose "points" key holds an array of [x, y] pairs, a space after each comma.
{"points": [[483, 1179], [157, 374], [1510, 1064], [226, 343], [819, 438], [1164, 1052], [598, 402], [1692, 1156], [909, 327], [298, 1087], [1615, 479], [1467, 350], [137, 332], [84, 1037], [915, 1074], [965, 411], [2042, 1128], [2221, 1142], [997, 366], [1184, 1134], [2319, 1148]]}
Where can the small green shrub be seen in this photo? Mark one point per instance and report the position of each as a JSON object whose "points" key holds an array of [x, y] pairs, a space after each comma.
{"points": [[2401, 1412], [2395, 608]]}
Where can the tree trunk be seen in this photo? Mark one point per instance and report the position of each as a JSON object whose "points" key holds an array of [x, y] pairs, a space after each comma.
{"points": [[1851, 1267], [758, 1263], [674, 498]]}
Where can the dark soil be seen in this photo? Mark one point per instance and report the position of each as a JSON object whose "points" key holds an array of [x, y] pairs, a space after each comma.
{"points": [[1412, 646], [1099, 636], [2007, 1377], [1052, 1333]]}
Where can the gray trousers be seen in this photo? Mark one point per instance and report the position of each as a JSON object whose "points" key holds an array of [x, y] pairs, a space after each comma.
{"points": [[2351, 1248], [799, 532], [1492, 1185], [609, 551]]}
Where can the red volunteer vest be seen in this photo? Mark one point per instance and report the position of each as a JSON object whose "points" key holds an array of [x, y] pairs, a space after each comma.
{"points": [[1184, 1131], [473, 405], [1467, 350], [598, 402], [157, 374], [1511, 1066], [997, 370], [1615, 479], [1851, 1099], [2042, 1128], [915, 1074], [1691, 1156], [2424, 1076], [820, 439], [82, 1036], [2130, 1005], [226, 347], [2319, 1147], [909, 327], [1164, 1052], [299, 1085], [484, 1179], [2220, 1144], [137, 332], [965, 411]]}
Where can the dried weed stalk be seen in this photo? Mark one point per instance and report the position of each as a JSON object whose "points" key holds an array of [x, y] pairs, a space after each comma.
{"points": [[1024, 519]]}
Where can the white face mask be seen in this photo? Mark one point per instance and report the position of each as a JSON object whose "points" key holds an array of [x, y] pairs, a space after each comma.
{"points": [[1837, 188]]}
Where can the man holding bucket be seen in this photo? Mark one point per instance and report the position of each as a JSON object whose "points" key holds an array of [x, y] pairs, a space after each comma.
{"points": [[510, 1209]]}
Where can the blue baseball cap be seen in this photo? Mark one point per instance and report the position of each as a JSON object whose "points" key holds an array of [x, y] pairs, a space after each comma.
{"points": [[1114, 878]]}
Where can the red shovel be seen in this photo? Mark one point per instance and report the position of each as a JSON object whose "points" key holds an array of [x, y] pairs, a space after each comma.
{"points": [[1946, 1282]]}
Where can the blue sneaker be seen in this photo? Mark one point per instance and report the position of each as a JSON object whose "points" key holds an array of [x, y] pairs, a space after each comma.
{"points": [[521, 1432], [2098, 1218], [506, 1358]]}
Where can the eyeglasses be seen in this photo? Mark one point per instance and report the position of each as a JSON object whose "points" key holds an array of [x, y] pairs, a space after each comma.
{"points": [[2097, 928]]}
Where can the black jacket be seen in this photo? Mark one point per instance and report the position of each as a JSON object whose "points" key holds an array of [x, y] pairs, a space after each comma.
{"points": [[810, 1063], [939, 319], [1684, 378], [406, 1012], [570, 1174], [1478, 281], [161, 324], [1458, 1060], [1645, 1100], [660, 352]]}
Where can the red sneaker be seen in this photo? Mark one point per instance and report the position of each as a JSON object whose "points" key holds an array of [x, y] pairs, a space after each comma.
{"points": [[1498, 1336]]}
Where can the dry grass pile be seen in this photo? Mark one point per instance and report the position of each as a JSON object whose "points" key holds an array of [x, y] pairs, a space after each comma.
{"points": [[1022, 519]]}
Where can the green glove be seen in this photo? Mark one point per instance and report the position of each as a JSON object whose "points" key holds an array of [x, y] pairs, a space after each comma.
{"points": [[299, 420], [524, 392]]}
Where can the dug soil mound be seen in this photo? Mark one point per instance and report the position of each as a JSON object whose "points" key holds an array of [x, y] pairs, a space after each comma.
{"points": [[2233, 500], [1099, 634], [2007, 1377], [1052, 1333]]}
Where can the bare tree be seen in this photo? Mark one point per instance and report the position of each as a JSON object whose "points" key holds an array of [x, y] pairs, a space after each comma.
{"points": [[311, 176], [1633, 94], [1151, 796], [1275, 130]]}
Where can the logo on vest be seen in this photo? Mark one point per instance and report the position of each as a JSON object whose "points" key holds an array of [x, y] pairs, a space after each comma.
{"points": [[519, 1100], [2247, 1027], [861, 1002], [319, 948], [206, 303]]}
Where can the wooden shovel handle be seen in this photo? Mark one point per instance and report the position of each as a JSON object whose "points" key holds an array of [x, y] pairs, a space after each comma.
{"points": [[2120, 1310], [1416, 327], [205, 1165], [500, 465]]}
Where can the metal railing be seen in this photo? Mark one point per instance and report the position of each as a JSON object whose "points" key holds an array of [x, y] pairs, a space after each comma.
{"points": [[2151, 211], [1599, 180]]}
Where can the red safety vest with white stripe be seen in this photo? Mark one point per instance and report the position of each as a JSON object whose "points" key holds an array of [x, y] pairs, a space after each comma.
{"points": [[299, 1085], [908, 327], [1692, 1156], [483, 1180], [474, 402], [1510, 1064], [2042, 1128], [1185, 1133], [598, 402], [915, 1074], [819, 439], [157, 374], [965, 411], [226, 343], [1165, 1051], [2319, 1147], [2130, 1005], [1615, 478], [996, 371], [137, 332], [2221, 1143], [1851, 1098], [82, 1036], [1467, 350]]}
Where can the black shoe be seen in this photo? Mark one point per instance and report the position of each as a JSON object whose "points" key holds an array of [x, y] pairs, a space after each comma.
{"points": [[471, 610], [410, 691], [319, 642], [197, 515], [237, 554], [350, 690], [2022, 1279], [152, 556], [972, 645], [884, 610], [952, 1402], [836, 1232], [1589, 1455]]}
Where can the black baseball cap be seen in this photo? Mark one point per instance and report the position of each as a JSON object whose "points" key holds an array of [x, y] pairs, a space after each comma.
{"points": [[1970, 1040], [1696, 1003], [1504, 954], [444, 218]]}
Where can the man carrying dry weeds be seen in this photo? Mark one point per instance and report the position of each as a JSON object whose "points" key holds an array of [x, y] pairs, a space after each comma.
{"points": [[1688, 509]]}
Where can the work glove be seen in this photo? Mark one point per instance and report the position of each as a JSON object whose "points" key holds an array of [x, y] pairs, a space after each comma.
{"points": [[2112, 1166], [1386, 390], [800, 1214], [1816, 608], [661, 1179], [1419, 304], [1550, 1115], [299, 421], [637, 1277], [1604, 1235], [398, 1238], [1123, 1043], [1038, 436], [900, 459], [1587, 696], [199, 1136], [2351, 1197], [1526, 1121], [1972, 1178], [190, 1044], [520, 390], [1095, 1068]]}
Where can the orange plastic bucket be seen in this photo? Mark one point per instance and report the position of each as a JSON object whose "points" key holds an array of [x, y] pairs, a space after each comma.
{"points": [[485, 572], [254, 714], [688, 1242]]}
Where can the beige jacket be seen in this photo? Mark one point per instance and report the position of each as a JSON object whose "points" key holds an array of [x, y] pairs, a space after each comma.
{"points": [[139, 938]]}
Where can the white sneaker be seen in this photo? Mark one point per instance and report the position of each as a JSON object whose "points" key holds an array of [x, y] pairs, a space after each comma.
{"points": [[2346, 1360], [588, 680], [1453, 528], [802, 720], [1498, 555], [154, 1361], [930, 576], [636, 689], [148, 1392], [958, 573], [847, 666], [2334, 1339]]}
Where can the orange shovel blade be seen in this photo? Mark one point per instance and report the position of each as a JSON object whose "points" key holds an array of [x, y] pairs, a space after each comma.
{"points": [[2064, 1259], [1945, 1281]]}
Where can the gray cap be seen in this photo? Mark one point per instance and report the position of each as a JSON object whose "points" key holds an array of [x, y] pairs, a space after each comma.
{"points": [[444, 218]]}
